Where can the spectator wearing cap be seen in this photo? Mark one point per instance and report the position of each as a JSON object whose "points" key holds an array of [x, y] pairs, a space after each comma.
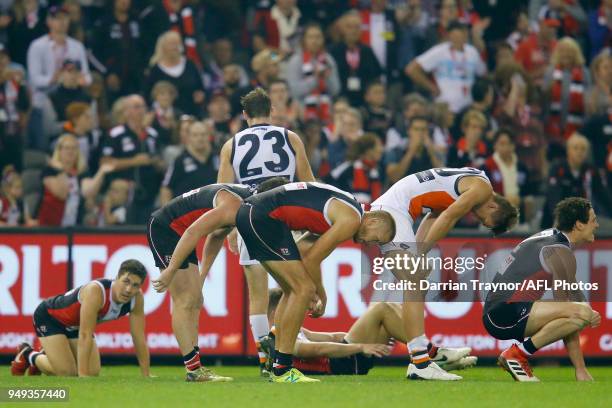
{"points": [[14, 106], [600, 27], [534, 52], [566, 82], [47, 54], [70, 89], [357, 64], [573, 176], [278, 28], [599, 97], [196, 166], [360, 173], [117, 46], [454, 65], [28, 23], [170, 64], [46, 57], [312, 75], [133, 150], [569, 13]]}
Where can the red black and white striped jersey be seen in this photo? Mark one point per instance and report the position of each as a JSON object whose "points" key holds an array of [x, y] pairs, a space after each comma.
{"points": [[185, 209], [66, 308], [303, 206]]}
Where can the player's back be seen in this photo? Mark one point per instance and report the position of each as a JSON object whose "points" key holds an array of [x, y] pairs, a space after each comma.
{"points": [[261, 152], [303, 206], [183, 210], [525, 263], [429, 190]]}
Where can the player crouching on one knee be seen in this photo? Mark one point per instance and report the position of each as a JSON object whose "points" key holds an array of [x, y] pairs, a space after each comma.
{"points": [[513, 314], [65, 325]]}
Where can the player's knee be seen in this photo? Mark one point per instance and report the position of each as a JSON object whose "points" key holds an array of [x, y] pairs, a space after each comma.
{"points": [[380, 307], [66, 371], [581, 314], [306, 289], [188, 300]]}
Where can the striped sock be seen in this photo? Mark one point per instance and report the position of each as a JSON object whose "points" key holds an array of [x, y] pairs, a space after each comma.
{"points": [[419, 355], [260, 353], [32, 357], [192, 360]]}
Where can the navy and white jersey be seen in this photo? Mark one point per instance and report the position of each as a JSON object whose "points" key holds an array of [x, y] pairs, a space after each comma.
{"points": [[185, 209], [302, 206], [526, 263], [66, 308], [262, 152]]}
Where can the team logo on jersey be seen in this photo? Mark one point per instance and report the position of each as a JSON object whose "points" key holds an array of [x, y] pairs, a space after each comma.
{"points": [[43, 328], [296, 186], [167, 259], [284, 251]]}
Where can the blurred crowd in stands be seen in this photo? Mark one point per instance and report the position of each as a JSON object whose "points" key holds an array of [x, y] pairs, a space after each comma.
{"points": [[109, 109]]}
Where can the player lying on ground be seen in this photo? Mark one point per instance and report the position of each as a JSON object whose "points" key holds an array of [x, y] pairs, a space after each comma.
{"points": [[446, 195], [351, 353], [515, 315], [173, 233], [65, 325], [252, 156], [265, 222]]}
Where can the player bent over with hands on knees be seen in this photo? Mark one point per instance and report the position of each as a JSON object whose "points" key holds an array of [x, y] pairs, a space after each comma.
{"points": [[352, 353], [443, 196], [65, 325], [173, 233], [516, 314], [265, 222]]}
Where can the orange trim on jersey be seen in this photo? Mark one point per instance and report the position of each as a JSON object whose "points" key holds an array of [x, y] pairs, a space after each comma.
{"points": [[437, 201]]}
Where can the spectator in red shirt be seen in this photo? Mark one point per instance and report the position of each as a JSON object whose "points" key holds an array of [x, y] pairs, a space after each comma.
{"points": [[534, 52]]}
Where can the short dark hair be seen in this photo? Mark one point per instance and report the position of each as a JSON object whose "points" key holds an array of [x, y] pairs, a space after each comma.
{"points": [[570, 211], [278, 81], [271, 183], [256, 103], [364, 143], [134, 267], [274, 297], [480, 89], [506, 215], [501, 132], [416, 118]]}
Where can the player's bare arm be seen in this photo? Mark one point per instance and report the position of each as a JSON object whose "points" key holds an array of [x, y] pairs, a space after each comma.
{"points": [[334, 350], [91, 302], [345, 223], [475, 193], [137, 330], [226, 171], [303, 170], [223, 215], [334, 337]]}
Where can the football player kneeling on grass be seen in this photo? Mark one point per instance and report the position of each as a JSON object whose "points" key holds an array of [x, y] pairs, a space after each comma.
{"points": [[521, 315], [65, 325]]}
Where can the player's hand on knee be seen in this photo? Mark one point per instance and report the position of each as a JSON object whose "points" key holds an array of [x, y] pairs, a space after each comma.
{"points": [[232, 241], [162, 283], [318, 308], [595, 319], [377, 350]]}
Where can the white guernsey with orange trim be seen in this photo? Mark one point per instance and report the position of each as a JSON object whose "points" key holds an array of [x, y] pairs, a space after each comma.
{"points": [[432, 190]]}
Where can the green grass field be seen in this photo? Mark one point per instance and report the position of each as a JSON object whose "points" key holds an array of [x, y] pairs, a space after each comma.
{"points": [[121, 386]]}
